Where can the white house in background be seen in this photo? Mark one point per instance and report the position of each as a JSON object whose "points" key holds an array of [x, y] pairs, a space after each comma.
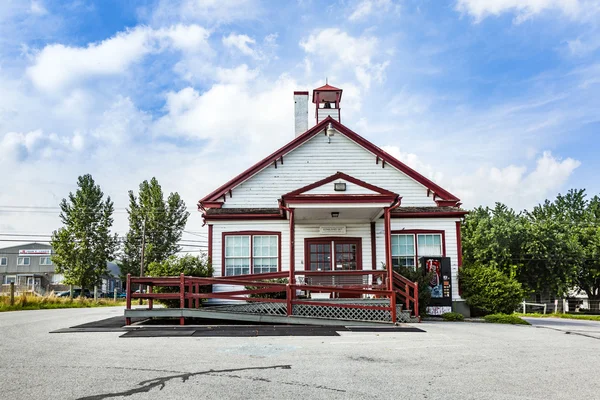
{"points": [[332, 200]]}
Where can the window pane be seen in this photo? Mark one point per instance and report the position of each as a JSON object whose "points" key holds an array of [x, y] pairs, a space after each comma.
{"points": [[430, 245]]}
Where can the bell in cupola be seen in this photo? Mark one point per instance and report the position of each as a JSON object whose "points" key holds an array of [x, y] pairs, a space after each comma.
{"points": [[327, 102]]}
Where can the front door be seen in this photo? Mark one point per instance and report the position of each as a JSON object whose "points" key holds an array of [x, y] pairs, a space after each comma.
{"points": [[333, 254]]}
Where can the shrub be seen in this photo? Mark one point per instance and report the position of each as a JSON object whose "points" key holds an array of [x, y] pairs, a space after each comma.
{"points": [[505, 319], [453, 316], [489, 290], [174, 266], [416, 275]]}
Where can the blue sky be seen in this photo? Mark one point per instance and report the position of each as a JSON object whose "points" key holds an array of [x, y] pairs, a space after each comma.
{"points": [[496, 100]]}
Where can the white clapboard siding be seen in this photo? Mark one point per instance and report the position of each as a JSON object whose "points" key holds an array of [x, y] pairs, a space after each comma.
{"points": [[351, 188], [272, 226], [323, 113], [446, 224], [317, 159], [304, 231]]}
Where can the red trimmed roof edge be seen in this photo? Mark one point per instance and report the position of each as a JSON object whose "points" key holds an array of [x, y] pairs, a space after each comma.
{"points": [[339, 175], [299, 140], [326, 87]]}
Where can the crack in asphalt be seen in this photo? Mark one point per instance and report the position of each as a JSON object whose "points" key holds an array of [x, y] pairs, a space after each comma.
{"points": [[160, 382], [571, 332], [281, 382]]}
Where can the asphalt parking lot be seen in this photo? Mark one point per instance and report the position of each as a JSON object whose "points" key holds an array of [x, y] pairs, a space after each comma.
{"points": [[443, 361]]}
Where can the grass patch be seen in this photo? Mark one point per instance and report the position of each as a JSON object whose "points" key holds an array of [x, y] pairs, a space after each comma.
{"points": [[453, 316], [24, 302], [505, 319], [566, 316]]}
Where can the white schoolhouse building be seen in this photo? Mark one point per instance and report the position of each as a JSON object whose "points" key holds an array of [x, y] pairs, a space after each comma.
{"points": [[331, 200]]}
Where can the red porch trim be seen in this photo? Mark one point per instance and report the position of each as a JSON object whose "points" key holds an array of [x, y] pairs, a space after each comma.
{"points": [[388, 247], [340, 198], [243, 216], [423, 232], [292, 279], [458, 244], [447, 203], [266, 162], [431, 214], [459, 251], [212, 204], [210, 243], [373, 247], [336, 176], [328, 239], [251, 234]]}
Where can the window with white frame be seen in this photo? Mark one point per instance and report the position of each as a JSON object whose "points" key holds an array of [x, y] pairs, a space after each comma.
{"points": [[23, 261], [405, 253], [264, 253], [429, 244], [3, 261], [245, 254], [45, 261]]}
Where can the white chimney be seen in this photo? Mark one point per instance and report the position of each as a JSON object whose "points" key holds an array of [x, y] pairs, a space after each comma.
{"points": [[300, 112]]}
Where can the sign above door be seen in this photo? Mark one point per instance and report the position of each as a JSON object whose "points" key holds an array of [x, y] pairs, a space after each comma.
{"points": [[332, 230]]}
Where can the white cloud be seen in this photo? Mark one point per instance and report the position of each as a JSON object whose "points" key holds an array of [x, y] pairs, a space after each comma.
{"points": [[514, 185], [336, 50], [37, 145], [238, 75], [240, 42], [233, 112], [367, 8], [209, 12], [413, 161], [582, 46], [58, 66], [37, 8], [526, 9]]}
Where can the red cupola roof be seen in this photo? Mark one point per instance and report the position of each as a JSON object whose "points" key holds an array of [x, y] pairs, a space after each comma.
{"points": [[327, 93]]}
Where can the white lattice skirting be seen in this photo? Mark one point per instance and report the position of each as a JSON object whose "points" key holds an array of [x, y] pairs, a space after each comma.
{"points": [[323, 311]]}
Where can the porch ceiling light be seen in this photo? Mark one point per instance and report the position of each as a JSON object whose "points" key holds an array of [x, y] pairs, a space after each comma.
{"points": [[335, 214]]}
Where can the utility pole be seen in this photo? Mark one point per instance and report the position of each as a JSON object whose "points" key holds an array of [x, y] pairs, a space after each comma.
{"points": [[142, 257]]}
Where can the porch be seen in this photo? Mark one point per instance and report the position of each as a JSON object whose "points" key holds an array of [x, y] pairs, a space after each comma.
{"points": [[285, 297]]}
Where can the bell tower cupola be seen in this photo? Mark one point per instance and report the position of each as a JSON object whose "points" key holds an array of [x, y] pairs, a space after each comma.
{"points": [[327, 101]]}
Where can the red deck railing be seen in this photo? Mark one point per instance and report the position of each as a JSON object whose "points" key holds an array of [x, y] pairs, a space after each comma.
{"points": [[372, 283]]}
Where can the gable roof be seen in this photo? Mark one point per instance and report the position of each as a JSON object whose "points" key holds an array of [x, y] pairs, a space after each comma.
{"points": [[217, 194], [336, 176]]}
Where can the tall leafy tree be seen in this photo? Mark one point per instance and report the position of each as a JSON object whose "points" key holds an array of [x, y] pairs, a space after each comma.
{"points": [[494, 237], [84, 244], [552, 249], [155, 224]]}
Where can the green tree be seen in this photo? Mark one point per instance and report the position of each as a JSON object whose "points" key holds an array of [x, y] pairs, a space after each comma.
{"points": [[574, 224], [84, 244], [155, 223], [552, 249], [487, 289], [174, 266], [494, 237]]}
